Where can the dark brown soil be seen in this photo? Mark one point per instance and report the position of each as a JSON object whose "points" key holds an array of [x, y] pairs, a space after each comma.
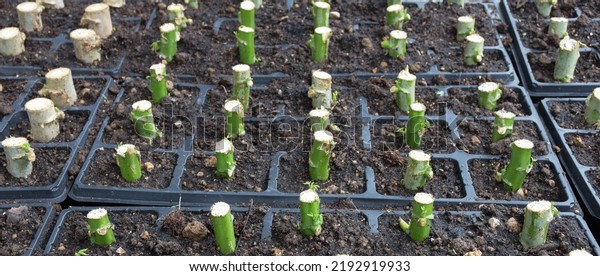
{"points": [[342, 234], [382, 102], [542, 182], [593, 177], [476, 138], [569, 115], [461, 234], [355, 43], [385, 137], [534, 28], [104, 171], [145, 233], [587, 69], [70, 127], [18, 229], [291, 93], [389, 167], [251, 173], [41, 52], [466, 102], [346, 175], [48, 164], [585, 148], [174, 116], [87, 90], [11, 90]]}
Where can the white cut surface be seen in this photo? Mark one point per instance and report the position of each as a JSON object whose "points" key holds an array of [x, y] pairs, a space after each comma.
{"points": [[488, 87], [308, 196], [159, 68], [39, 104], [245, 29], [224, 146], [241, 68], [322, 112], [559, 19], [323, 136], [97, 213], [167, 27], [58, 73], [539, 206], [397, 34], [424, 198], [219, 209], [9, 33], [247, 5], [466, 19], [27, 7], [142, 105], [524, 144], [503, 114], [475, 38], [419, 107], [568, 44], [322, 5], [233, 106], [323, 30], [81, 34], [14, 142], [419, 156], [122, 150], [322, 75], [395, 8], [96, 7]]}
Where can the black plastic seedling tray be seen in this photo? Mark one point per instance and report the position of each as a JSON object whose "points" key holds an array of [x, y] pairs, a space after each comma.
{"points": [[225, 24], [520, 52], [255, 227], [588, 189], [360, 133], [78, 117], [38, 232]]}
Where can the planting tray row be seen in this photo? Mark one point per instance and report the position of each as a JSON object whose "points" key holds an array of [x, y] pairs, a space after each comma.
{"points": [[535, 52], [207, 48], [579, 144], [49, 180], [272, 165], [261, 230]]}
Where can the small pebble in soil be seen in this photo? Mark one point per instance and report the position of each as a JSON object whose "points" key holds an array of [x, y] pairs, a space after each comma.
{"points": [[61, 247], [144, 235], [195, 231], [475, 252], [494, 222], [200, 174], [475, 140], [210, 162], [551, 183], [335, 15], [277, 252], [149, 167], [120, 109], [522, 192], [14, 214], [367, 43], [513, 225], [121, 251], [578, 142]]}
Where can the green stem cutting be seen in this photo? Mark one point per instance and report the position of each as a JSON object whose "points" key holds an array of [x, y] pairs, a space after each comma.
{"points": [[521, 162], [420, 218]]}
